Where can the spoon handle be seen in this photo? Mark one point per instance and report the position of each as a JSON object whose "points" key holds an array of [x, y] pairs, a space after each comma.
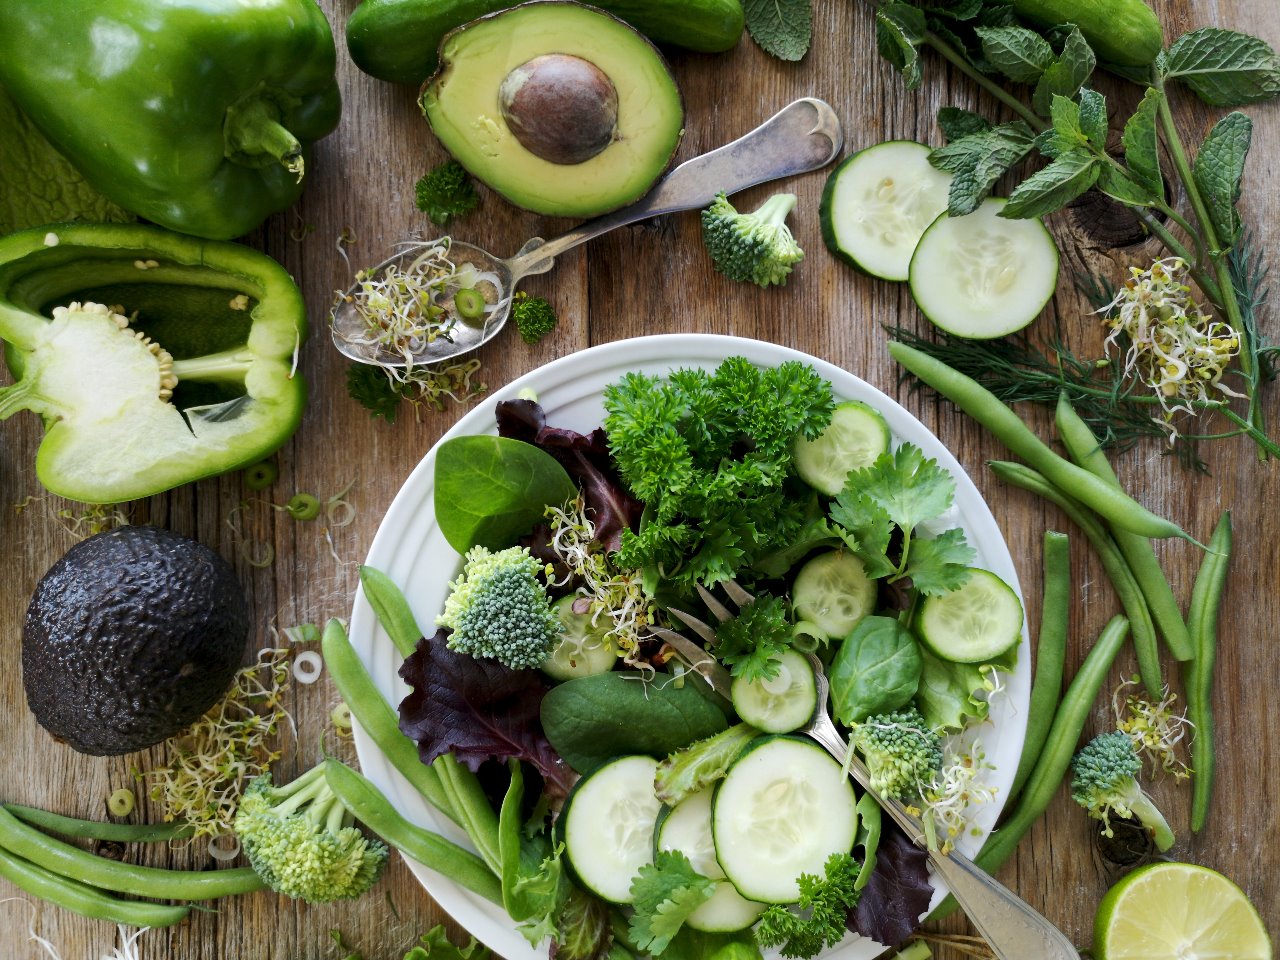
{"points": [[803, 136]]}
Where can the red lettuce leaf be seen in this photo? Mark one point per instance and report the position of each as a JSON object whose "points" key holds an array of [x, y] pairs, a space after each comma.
{"points": [[477, 710], [898, 893], [585, 456]]}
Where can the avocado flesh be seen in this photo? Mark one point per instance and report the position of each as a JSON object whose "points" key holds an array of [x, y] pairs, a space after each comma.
{"points": [[461, 103]]}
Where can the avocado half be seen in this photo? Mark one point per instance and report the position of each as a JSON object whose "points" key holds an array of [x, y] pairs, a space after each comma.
{"points": [[130, 638], [561, 108]]}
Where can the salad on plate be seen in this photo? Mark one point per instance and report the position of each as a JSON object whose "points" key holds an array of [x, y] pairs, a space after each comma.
{"points": [[740, 516]]}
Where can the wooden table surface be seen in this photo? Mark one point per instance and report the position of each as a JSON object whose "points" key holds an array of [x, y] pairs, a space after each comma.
{"points": [[655, 278]]}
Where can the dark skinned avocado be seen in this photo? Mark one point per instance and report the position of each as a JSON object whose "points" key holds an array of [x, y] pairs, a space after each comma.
{"points": [[131, 637], [561, 108]]}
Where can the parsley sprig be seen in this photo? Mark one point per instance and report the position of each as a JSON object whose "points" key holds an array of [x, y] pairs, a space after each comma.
{"points": [[819, 920]]}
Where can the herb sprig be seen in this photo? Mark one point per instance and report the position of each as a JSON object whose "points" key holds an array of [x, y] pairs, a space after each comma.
{"points": [[1066, 122]]}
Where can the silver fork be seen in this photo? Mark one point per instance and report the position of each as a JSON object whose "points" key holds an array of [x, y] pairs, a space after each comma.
{"points": [[1010, 926]]}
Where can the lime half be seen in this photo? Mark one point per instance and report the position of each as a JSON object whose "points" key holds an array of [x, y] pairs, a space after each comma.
{"points": [[1177, 911]]}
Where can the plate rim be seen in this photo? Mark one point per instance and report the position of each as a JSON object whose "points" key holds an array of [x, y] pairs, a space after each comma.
{"points": [[474, 913]]}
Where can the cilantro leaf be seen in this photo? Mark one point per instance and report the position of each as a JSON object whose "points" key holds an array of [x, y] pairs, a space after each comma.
{"points": [[664, 894], [781, 28], [751, 642], [370, 387], [909, 487], [869, 530], [940, 565], [1224, 68], [824, 905]]}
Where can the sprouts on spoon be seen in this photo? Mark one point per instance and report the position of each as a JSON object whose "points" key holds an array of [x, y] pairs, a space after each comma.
{"points": [[401, 310]]}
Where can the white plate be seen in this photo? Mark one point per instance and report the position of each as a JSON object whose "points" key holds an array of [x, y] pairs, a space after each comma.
{"points": [[411, 550]]}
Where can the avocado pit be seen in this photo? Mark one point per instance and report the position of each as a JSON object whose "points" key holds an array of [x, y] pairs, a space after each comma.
{"points": [[561, 108]]}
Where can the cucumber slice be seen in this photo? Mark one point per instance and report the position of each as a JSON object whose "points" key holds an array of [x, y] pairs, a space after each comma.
{"points": [[982, 276], [687, 828], [877, 203], [832, 591], [608, 826], [783, 808], [974, 624], [856, 436], [584, 650], [782, 704]]}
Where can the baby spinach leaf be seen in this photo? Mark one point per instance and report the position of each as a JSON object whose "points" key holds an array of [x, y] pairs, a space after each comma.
{"points": [[876, 669], [1224, 68], [1142, 145], [900, 29], [782, 28], [593, 719], [490, 491], [1054, 186], [1020, 54], [1218, 169]]}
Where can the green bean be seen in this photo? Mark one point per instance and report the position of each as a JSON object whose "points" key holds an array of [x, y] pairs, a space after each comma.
{"points": [[27, 842], [370, 807], [1083, 447], [472, 805], [1055, 758], [1051, 652], [377, 719], [83, 899], [1118, 572], [1206, 596], [985, 407], [391, 608], [98, 829]]}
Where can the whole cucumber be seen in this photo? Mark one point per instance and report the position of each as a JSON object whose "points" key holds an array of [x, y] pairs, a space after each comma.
{"points": [[1124, 32], [398, 40]]}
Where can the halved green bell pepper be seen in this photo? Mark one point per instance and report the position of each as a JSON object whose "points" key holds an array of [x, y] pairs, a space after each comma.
{"points": [[195, 114], [153, 358]]}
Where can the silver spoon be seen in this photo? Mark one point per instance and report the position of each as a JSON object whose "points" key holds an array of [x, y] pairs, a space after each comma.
{"points": [[803, 136]]}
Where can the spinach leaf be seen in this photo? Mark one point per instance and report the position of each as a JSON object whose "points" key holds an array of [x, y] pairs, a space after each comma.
{"points": [[594, 719], [782, 28], [490, 491], [876, 669], [1224, 68]]}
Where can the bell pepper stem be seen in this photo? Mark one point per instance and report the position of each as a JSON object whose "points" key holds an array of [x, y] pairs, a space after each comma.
{"points": [[253, 129]]}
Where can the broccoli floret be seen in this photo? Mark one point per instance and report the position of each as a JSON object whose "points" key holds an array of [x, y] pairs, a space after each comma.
{"points": [[1103, 781], [752, 246], [301, 840], [533, 317], [498, 609], [901, 751], [446, 192]]}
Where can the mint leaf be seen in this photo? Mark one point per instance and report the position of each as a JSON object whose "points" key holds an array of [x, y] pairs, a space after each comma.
{"points": [[1020, 54], [956, 123], [1064, 114], [940, 565], [781, 28], [1218, 169], [1052, 188], [955, 9], [1093, 117], [1120, 186], [977, 161], [1066, 75], [900, 29], [664, 893], [1224, 68], [1142, 145]]}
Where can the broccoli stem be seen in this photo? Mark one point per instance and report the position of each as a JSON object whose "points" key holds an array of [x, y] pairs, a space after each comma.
{"points": [[1150, 816]]}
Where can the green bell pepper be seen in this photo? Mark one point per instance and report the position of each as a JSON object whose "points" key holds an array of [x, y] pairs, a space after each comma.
{"points": [[153, 358], [195, 114]]}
